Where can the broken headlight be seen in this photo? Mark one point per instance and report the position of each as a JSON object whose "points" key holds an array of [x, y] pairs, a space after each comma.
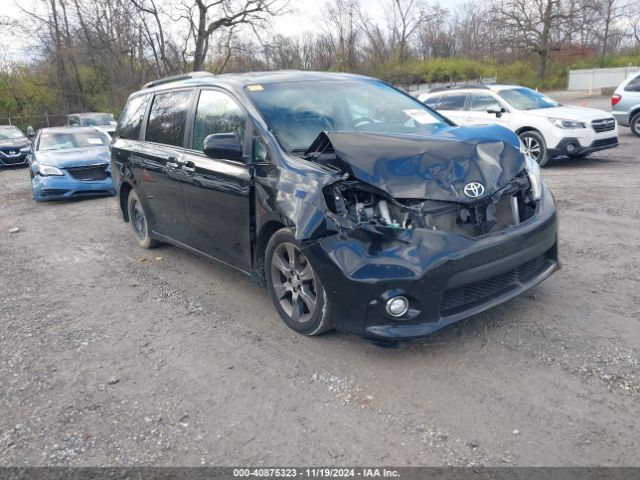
{"points": [[533, 171]]}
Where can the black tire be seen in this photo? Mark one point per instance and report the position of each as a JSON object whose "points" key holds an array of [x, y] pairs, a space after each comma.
{"points": [[634, 124], [294, 287], [536, 146], [138, 221]]}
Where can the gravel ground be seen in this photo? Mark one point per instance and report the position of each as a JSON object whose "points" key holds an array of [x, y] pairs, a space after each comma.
{"points": [[111, 355]]}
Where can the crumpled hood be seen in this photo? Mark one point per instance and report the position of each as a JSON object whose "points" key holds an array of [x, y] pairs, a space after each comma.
{"points": [[436, 167], [74, 157]]}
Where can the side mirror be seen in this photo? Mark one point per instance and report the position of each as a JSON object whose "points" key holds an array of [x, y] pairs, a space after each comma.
{"points": [[497, 111], [223, 145]]}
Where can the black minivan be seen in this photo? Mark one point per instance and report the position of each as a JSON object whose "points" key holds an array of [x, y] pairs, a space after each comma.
{"points": [[359, 207]]}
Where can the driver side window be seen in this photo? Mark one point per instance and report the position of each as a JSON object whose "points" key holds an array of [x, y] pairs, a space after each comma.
{"points": [[217, 112], [479, 102]]}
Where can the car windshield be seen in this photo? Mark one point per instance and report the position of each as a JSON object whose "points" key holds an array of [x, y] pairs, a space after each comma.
{"points": [[66, 140], [98, 119], [9, 133], [526, 99], [297, 112]]}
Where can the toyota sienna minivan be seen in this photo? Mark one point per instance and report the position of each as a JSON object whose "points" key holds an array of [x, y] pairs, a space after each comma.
{"points": [[356, 205]]}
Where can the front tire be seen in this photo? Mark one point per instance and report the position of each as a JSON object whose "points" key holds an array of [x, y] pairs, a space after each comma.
{"points": [[535, 146], [138, 221], [634, 124], [295, 287]]}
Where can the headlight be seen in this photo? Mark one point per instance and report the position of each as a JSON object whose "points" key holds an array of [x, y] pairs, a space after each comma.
{"points": [[47, 170], [562, 123], [533, 170]]}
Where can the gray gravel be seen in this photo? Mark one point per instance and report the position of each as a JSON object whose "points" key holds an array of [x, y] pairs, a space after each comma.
{"points": [[111, 355]]}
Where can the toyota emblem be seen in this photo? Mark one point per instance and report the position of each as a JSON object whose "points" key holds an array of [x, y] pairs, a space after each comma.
{"points": [[474, 189]]}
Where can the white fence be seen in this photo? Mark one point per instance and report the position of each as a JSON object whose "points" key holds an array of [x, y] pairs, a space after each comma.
{"points": [[597, 78]]}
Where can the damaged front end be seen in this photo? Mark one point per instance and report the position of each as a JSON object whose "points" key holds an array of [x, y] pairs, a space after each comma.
{"points": [[401, 225]]}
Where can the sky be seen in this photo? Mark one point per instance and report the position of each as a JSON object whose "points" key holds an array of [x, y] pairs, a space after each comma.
{"points": [[306, 16]]}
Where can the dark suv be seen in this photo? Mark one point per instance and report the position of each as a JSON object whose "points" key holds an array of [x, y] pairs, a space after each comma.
{"points": [[14, 146], [358, 206]]}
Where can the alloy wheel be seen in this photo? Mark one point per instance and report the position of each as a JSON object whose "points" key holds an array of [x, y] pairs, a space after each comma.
{"points": [[532, 147], [138, 220], [294, 282]]}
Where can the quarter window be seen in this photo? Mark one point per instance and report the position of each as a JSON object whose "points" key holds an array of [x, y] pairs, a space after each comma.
{"points": [[217, 113], [480, 102], [131, 118], [168, 118], [452, 102], [633, 85]]}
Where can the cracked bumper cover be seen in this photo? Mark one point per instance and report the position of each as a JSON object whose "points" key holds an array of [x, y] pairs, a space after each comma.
{"points": [[361, 269]]}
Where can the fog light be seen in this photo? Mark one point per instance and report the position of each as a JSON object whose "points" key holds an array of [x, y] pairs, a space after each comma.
{"points": [[571, 147], [397, 306]]}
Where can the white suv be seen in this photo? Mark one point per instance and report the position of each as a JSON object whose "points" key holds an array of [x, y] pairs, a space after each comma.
{"points": [[546, 128]]}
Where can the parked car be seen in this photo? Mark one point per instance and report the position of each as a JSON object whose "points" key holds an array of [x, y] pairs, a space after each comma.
{"points": [[70, 162], [14, 146], [625, 103], [359, 207], [103, 121], [546, 128]]}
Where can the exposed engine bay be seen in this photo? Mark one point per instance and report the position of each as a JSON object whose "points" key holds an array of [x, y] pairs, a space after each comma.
{"points": [[361, 203], [358, 202]]}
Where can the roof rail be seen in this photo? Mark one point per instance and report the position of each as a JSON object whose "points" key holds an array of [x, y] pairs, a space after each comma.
{"points": [[458, 87], [176, 78]]}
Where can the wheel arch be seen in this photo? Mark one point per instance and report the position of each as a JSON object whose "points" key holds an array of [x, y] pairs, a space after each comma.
{"points": [[262, 239], [522, 130], [123, 197]]}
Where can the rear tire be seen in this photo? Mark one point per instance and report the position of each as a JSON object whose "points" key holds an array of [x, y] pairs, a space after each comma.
{"points": [[536, 146], [294, 287], [634, 124], [138, 221]]}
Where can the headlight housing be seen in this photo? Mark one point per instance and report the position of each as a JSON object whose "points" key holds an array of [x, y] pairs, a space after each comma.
{"points": [[563, 123], [533, 171], [48, 170]]}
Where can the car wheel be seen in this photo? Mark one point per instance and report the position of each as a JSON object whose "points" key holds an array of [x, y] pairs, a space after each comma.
{"points": [[535, 146], [138, 221], [295, 287], [634, 124]]}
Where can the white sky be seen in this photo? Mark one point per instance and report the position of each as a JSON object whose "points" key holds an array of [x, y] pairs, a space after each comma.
{"points": [[306, 16]]}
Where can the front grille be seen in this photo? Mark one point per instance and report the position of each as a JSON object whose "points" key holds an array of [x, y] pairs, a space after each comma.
{"points": [[13, 160], [52, 192], [458, 298], [605, 142], [94, 172], [603, 125]]}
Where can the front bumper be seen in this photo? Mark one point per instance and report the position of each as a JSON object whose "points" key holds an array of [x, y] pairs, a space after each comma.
{"points": [[65, 187], [446, 277], [13, 160], [578, 149]]}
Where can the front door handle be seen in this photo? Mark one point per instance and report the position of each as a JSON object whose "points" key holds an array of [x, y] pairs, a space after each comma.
{"points": [[189, 168], [173, 164]]}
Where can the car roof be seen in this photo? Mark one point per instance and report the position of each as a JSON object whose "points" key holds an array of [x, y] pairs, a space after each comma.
{"points": [[237, 81], [71, 130], [88, 114], [465, 88]]}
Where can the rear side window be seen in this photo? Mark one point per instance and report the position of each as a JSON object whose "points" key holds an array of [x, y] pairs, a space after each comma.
{"points": [[131, 118], [633, 85], [432, 102], [481, 101], [168, 118], [453, 101], [217, 113]]}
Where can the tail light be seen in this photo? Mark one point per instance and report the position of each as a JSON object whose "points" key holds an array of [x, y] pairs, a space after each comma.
{"points": [[615, 99]]}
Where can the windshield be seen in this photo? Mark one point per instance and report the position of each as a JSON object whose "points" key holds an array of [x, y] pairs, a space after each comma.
{"points": [[64, 140], [98, 119], [297, 112], [526, 99], [9, 133]]}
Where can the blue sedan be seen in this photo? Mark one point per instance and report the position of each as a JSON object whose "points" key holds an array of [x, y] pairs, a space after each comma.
{"points": [[70, 162]]}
